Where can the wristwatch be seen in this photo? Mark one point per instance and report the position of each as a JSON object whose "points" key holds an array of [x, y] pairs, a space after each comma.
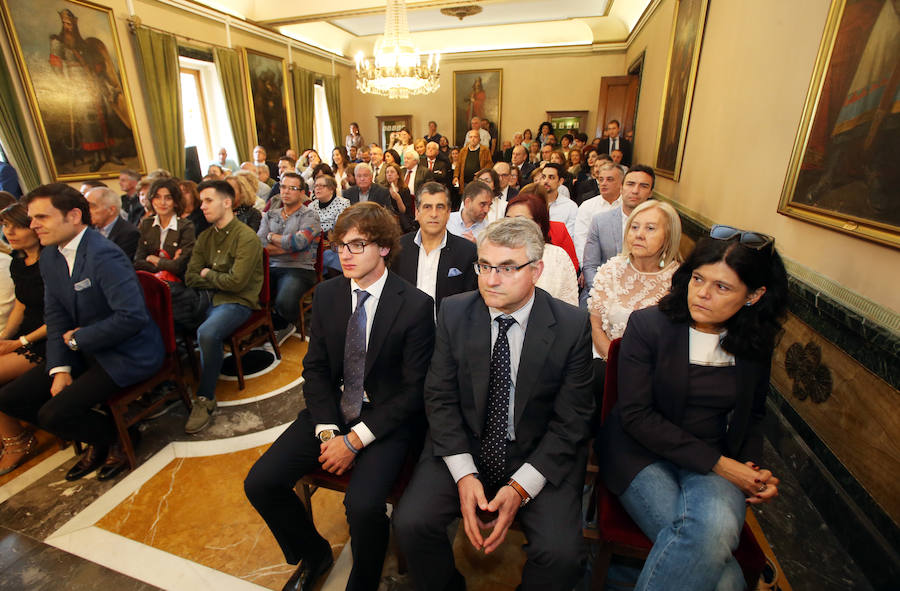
{"points": [[72, 343], [521, 492], [326, 435]]}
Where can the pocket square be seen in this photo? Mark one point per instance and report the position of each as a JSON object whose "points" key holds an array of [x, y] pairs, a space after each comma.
{"points": [[83, 284], [454, 272]]}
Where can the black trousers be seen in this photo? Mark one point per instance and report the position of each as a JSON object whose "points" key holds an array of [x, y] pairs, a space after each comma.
{"points": [[551, 523], [69, 414], [270, 488]]}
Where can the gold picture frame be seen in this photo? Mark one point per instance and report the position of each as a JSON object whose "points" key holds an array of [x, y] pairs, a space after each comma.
{"points": [[842, 175], [267, 125], [469, 100], [70, 64], [681, 74]]}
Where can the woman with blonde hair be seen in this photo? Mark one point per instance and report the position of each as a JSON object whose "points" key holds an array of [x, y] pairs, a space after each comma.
{"points": [[244, 186]]}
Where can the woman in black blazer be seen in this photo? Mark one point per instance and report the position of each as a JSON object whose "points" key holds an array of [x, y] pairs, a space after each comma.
{"points": [[172, 254], [680, 446]]}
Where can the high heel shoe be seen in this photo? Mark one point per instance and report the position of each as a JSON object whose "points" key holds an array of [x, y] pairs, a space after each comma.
{"points": [[23, 443]]}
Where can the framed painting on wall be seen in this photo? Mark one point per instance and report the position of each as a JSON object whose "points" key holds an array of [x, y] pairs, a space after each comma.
{"points": [[389, 125], [476, 93], [843, 172], [70, 61], [271, 118], [681, 73]]}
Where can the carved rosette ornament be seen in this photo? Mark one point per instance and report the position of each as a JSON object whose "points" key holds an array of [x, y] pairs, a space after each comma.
{"points": [[812, 379]]}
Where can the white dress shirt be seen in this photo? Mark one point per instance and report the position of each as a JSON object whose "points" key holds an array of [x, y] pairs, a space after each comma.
{"points": [[163, 232], [564, 210], [464, 464], [586, 212], [370, 305], [411, 185], [427, 270], [69, 251], [497, 210]]}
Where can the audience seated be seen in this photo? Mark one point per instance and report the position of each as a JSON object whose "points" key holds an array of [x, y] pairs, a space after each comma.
{"points": [[469, 221], [227, 261], [365, 189], [260, 157], [243, 183], [328, 207], [224, 162], [339, 162], [166, 238], [507, 192], [290, 234], [104, 206], [489, 177], [131, 208], [401, 203], [7, 288], [562, 209], [607, 177], [192, 209], [99, 334]]}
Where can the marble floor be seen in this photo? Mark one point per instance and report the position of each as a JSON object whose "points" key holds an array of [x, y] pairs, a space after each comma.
{"points": [[180, 521]]}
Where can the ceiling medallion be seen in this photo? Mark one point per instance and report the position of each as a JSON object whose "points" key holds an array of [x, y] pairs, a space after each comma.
{"points": [[461, 12], [397, 71]]}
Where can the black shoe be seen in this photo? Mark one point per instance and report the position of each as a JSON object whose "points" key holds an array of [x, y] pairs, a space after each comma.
{"points": [[90, 460], [116, 462], [308, 573]]}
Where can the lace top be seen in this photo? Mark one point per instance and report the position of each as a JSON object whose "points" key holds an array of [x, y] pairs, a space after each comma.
{"points": [[559, 278], [619, 289]]}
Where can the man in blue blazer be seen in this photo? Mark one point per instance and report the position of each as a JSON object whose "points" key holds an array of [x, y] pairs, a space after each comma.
{"points": [[100, 337]]}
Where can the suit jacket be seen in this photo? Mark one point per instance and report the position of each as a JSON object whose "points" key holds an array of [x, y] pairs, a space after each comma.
{"points": [[379, 174], [484, 160], [423, 175], [102, 297], [653, 385], [377, 193], [399, 348], [440, 169], [624, 145], [586, 189], [459, 254], [181, 239], [528, 167], [553, 398], [604, 241], [126, 235]]}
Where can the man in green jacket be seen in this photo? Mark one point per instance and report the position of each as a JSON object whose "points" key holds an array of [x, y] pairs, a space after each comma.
{"points": [[227, 259]]}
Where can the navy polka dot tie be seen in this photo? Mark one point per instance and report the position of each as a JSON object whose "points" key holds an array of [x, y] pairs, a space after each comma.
{"points": [[493, 440], [354, 360]]}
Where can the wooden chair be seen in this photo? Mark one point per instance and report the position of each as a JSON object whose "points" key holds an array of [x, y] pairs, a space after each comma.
{"points": [[616, 531], [257, 329], [307, 297], [159, 305]]}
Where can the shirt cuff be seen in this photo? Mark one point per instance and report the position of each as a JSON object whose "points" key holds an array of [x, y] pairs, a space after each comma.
{"points": [[60, 369], [325, 427], [460, 465], [365, 435], [530, 479]]}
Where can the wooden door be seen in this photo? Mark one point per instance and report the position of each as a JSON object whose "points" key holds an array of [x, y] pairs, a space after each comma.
{"points": [[618, 100]]}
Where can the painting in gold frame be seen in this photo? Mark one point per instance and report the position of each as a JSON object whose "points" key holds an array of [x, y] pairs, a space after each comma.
{"points": [[678, 92], [270, 116], [843, 172], [476, 93], [70, 63]]}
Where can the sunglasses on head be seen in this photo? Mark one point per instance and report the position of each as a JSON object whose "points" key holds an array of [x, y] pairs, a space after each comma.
{"points": [[753, 240]]}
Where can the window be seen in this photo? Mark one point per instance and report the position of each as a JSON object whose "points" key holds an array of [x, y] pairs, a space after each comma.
{"points": [[204, 112], [323, 138], [196, 125]]}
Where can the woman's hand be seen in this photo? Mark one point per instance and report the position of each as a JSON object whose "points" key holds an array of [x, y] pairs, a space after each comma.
{"points": [[8, 346], [759, 486], [153, 259]]}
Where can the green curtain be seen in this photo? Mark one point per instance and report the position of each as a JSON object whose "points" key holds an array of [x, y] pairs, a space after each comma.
{"points": [[333, 100], [13, 130], [231, 74], [162, 85], [304, 107]]}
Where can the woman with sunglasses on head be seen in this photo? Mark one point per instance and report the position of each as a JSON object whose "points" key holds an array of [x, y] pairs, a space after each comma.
{"points": [[681, 444], [23, 340]]}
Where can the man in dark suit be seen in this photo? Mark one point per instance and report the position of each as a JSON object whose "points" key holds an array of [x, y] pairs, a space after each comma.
{"points": [[414, 175], [364, 374], [433, 259], [615, 142], [508, 406], [439, 167], [106, 218], [507, 192], [520, 161], [365, 189], [100, 337]]}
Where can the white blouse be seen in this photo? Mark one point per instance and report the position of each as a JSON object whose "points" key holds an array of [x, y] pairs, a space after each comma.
{"points": [[559, 278], [619, 289]]}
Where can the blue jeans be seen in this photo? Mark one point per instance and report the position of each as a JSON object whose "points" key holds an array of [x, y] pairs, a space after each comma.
{"points": [[288, 285], [695, 523], [221, 321]]}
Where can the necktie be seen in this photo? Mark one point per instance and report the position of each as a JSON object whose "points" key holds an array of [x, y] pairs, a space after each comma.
{"points": [[431, 165], [354, 360], [408, 174], [493, 441]]}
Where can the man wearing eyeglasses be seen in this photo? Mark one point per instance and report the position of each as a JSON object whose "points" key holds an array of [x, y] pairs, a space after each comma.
{"points": [[290, 235], [508, 399], [372, 335]]}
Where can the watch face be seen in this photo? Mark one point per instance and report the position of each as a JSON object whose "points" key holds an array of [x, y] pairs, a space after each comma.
{"points": [[327, 435]]}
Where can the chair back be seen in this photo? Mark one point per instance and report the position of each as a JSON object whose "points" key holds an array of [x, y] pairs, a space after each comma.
{"points": [[611, 380], [264, 290], [158, 298], [320, 247]]}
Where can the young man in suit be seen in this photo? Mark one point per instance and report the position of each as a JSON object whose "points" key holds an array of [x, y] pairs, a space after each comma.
{"points": [[431, 258], [106, 218], [372, 335], [365, 189], [508, 398], [100, 337], [616, 142]]}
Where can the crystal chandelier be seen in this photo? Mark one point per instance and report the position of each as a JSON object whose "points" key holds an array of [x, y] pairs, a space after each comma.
{"points": [[397, 72]]}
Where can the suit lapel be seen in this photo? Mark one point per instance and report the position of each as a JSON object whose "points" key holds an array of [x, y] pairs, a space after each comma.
{"points": [[539, 339], [617, 230], [387, 309], [80, 257], [746, 382], [678, 371], [340, 314], [479, 357], [443, 270]]}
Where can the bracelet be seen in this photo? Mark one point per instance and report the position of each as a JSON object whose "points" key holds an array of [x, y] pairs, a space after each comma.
{"points": [[349, 445], [24, 340]]}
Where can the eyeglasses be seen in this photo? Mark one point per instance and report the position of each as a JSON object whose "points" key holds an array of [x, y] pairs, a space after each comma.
{"points": [[289, 188], [355, 247], [502, 270], [753, 240]]}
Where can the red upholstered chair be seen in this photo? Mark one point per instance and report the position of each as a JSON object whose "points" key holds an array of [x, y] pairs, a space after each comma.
{"points": [[306, 298], [616, 531], [159, 305], [257, 329]]}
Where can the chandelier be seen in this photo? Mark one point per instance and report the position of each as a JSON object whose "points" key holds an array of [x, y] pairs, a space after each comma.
{"points": [[397, 71]]}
